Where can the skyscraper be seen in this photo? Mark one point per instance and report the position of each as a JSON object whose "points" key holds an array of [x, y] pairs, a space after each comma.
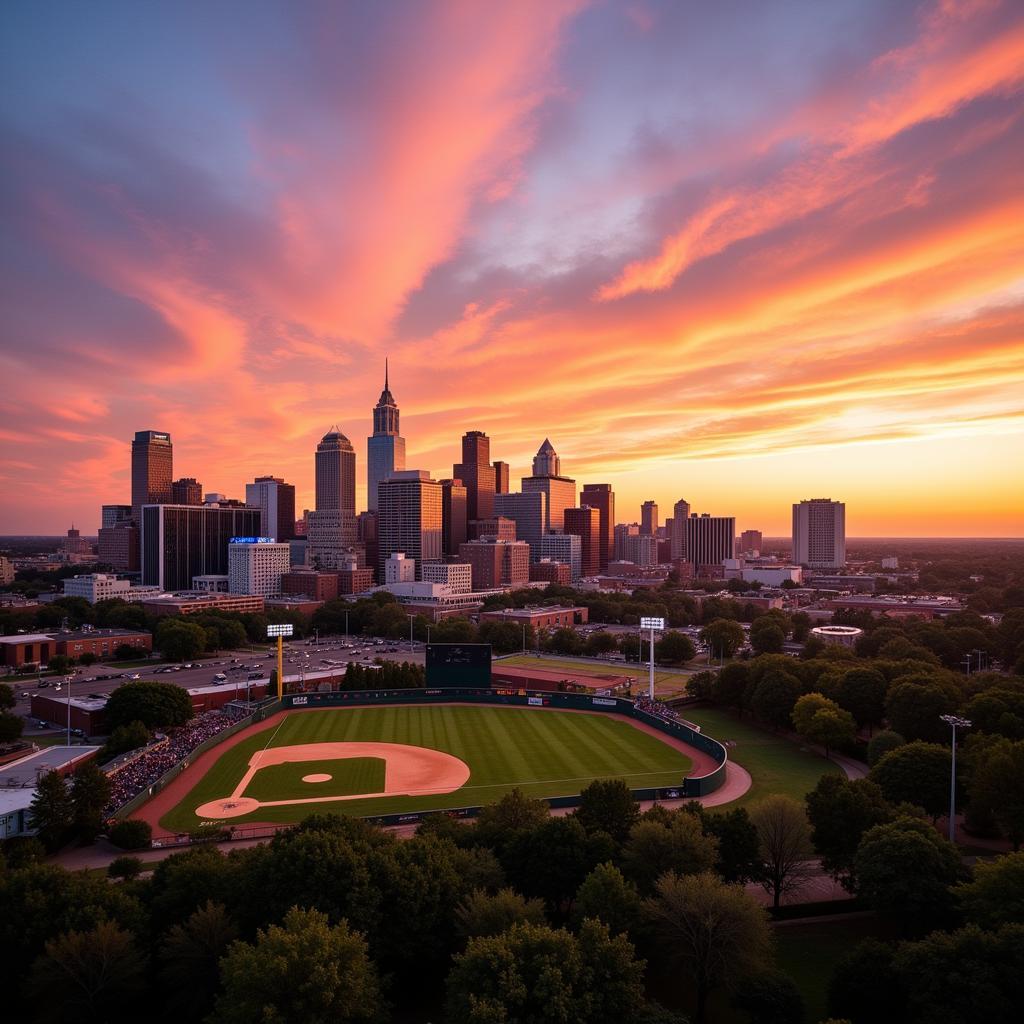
{"points": [[677, 529], [385, 449], [409, 518], [709, 539], [477, 474], [336, 473], [186, 491], [585, 523], [560, 490], [276, 501], [111, 515], [819, 533], [152, 469], [602, 497], [529, 510], [454, 525], [501, 478], [750, 542], [649, 518]]}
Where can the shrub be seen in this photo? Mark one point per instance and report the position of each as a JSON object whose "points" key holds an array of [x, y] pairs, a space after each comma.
{"points": [[131, 834], [125, 867]]}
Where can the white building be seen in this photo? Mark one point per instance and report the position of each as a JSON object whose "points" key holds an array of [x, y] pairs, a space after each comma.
{"points": [[456, 576], [399, 569], [98, 586], [331, 538], [564, 547], [6, 570], [843, 636], [819, 533], [255, 568], [212, 583], [774, 576], [640, 549]]}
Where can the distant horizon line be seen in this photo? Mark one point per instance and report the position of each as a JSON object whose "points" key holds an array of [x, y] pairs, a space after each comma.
{"points": [[765, 537]]}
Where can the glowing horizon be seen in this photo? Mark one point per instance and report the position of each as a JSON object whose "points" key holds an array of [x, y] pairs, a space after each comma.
{"points": [[738, 255]]}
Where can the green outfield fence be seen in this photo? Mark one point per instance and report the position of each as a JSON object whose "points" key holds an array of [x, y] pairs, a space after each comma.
{"points": [[688, 788]]}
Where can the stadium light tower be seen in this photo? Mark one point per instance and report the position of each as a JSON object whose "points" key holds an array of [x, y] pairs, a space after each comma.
{"points": [[957, 723], [651, 623], [280, 630]]}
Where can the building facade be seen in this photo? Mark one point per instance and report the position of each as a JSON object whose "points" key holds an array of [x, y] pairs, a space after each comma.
{"points": [[710, 540], [97, 587], [547, 570], [409, 518], [454, 525], [649, 522], [602, 498], [564, 547], [256, 565], [559, 491], [477, 475], [819, 533], [500, 478], [750, 542], [677, 530], [119, 546], [641, 550], [528, 509], [320, 586], [496, 562], [186, 491], [276, 501], [385, 448], [111, 515], [335, 474], [399, 569], [585, 522], [456, 576], [152, 469]]}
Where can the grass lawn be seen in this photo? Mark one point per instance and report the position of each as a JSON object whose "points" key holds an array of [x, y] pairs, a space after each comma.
{"points": [[776, 764], [544, 753], [345, 777]]}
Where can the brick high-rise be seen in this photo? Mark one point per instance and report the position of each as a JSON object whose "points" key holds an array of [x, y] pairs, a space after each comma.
{"points": [[409, 518], [602, 497], [585, 523], [187, 491], [477, 475], [152, 469], [649, 518]]}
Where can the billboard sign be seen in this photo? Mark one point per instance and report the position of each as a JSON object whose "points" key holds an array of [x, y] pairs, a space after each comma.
{"points": [[650, 622], [458, 665]]}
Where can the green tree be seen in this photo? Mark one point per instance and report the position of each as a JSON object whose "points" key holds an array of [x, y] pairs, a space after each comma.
{"points": [[914, 707], [59, 664], [840, 811], [601, 643], [124, 738], [724, 637], [565, 641], [904, 869], [995, 896], [999, 710], [997, 787], [85, 977], [730, 688], [497, 823], [862, 691], [302, 970], [88, 658], [539, 974], [881, 743], [767, 636], [189, 961], [608, 805], [915, 773], [90, 794], [784, 836], [11, 727], [770, 998], [674, 648], [712, 932], [178, 640], [51, 811], [481, 913], [156, 705], [131, 834], [739, 849], [865, 987], [606, 895], [7, 699], [774, 697], [820, 720], [677, 844], [125, 868]]}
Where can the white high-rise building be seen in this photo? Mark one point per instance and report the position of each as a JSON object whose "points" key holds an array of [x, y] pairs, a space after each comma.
{"points": [[276, 501], [456, 576], [255, 567], [819, 533]]}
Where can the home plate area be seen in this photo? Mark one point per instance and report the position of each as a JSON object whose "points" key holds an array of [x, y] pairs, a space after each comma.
{"points": [[329, 772]]}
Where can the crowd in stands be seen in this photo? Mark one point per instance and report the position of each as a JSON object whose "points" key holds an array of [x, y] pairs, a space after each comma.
{"points": [[659, 710], [142, 772]]}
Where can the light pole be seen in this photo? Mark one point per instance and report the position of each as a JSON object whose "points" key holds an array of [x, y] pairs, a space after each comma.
{"points": [[652, 624], [411, 619], [956, 722], [67, 683], [428, 634], [966, 660], [524, 638]]}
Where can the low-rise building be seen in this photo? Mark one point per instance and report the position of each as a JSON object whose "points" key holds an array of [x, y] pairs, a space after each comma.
{"points": [[549, 617], [39, 648], [547, 570], [194, 603], [97, 586], [320, 586]]}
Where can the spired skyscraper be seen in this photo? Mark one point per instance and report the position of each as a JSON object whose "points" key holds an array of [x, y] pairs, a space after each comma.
{"points": [[385, 450]]}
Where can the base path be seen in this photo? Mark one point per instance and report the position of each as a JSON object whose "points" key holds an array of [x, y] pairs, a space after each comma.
{"points": [[408, 771]]}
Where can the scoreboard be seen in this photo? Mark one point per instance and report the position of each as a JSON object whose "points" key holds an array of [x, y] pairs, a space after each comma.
{"points": [[458, 665]]}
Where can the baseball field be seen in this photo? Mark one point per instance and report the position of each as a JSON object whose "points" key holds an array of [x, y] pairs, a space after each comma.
{"points": [[386, 760]]}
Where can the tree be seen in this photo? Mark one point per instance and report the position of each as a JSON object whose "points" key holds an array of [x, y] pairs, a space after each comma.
{"points": [[123, 738], [607, 896], [861, 691], [713, 932], [565, 641], [88, 658], [840, 811], [156, 705], [539, 974], [995, 896], [90, 794], [601, 643], [865, 987], [916, 773], [7, 699], [766, 636], [59, 664], [11, 727], [51, 811], [739, 851], [904, 869], [881, 743], [770, 998], [997, 787], [822, 721], [774, 698], [785, 841], [608, 805], [914, 708], [483, 914], [303, 969], [90, 976], [125, 868], [497, 823], [724, 637], [178, 640], [131, 834], [674, 648], [731, 685], [678, 845], [998, 710], [189, 961]]}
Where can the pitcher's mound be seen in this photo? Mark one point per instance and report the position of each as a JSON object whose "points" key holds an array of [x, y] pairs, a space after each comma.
{"points": [[317, 777], [232, 807]]}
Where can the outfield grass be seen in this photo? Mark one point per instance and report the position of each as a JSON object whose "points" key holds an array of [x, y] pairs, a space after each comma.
{"points": [[347, 777], [543, 753], [776, 764]]}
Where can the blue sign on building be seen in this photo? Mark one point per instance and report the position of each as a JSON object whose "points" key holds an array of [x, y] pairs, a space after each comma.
{"points": [[252, 540]]}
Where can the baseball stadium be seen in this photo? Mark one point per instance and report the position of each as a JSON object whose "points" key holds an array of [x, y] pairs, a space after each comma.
{"points": [[394, 756]]}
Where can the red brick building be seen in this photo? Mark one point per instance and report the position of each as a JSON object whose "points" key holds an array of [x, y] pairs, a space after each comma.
{"points": [[497, 563], [547, 570], [500, 526], [551, 617], [321, 586], [39, 648], [354, 581], [585, 522]]}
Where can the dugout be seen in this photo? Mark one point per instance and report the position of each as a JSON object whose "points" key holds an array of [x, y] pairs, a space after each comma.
{"points": [[458, 665]]}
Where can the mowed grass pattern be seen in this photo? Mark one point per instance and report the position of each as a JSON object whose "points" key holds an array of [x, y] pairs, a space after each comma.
{"points": [[543, 753], [347, 776]]}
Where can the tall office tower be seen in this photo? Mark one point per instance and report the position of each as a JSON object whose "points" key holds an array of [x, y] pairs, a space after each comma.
{"points": [[276, 501], [677, 529], [560, 490], [366, 533], [623, 531], [152, 469], [501, 478], [649, 519], [529, 510], [750, 542], [641, 550], [585, 523], [409, 518], [477, 474], [255, 566], [336, 473], [385, 450], [119, 546], [182, 541], [564, 547], [111, 515], [710, 540], [186, 491], [602, 497], [819, 533], [454, 525]]}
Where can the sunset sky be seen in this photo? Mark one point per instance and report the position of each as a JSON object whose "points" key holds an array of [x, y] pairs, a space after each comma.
{"points": [[741, 253]]}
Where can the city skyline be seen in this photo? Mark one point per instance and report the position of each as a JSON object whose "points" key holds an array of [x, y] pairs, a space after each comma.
{"points": [[564, 221]]}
